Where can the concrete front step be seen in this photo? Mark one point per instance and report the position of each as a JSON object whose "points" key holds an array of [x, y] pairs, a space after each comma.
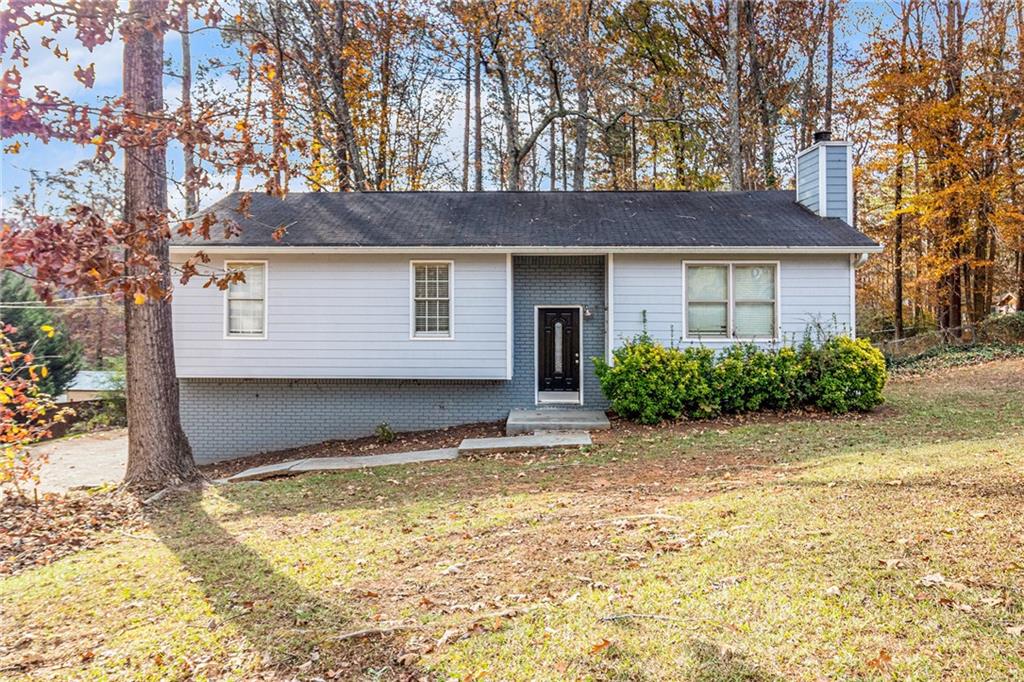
{"points": [[528, 421], [534, 441]]}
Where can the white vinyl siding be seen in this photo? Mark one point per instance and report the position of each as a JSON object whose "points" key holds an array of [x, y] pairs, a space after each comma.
{"points": [[246, 300], [836, 181], [431, 299], [731, 301], [808, 190], [813, 291], [348, 316]]}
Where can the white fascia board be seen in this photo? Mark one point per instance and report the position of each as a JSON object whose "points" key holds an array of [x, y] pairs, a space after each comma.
{"points": [[524, 250]]}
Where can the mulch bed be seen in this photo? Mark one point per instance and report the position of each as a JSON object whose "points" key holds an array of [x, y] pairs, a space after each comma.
{"points": [[38, 532], [448, 437]]}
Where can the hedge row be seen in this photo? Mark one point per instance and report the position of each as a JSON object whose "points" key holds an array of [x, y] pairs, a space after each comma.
{"points": [[649, 382]]}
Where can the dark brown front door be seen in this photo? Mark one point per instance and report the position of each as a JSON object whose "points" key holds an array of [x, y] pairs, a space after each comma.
{"points": [[558, 356]]}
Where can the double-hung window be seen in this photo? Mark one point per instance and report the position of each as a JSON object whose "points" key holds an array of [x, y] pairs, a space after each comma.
{"points": [[247, 300], [432, 299], [731, 300]]}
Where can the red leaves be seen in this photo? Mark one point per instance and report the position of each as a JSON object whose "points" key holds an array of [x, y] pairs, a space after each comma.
{"points": [[86, 76]]}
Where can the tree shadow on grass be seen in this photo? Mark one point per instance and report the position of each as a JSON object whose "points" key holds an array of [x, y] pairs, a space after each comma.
{"points": [[715, 664], [290, 627]]}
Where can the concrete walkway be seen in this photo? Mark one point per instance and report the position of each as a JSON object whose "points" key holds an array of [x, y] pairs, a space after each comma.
{"points": [[84, 461], [319, 464], [535, 441], [469, 445]]}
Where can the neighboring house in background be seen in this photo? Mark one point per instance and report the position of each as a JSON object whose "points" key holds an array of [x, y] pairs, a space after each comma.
{"points": [[431, 309], [1005, 304], [89, 385]]}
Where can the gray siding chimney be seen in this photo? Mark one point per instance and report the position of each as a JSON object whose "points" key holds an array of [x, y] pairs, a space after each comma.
{"points": [[824, 177]]}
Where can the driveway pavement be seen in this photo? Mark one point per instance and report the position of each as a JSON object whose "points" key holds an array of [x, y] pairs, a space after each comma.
{"points": [[88, 460]]}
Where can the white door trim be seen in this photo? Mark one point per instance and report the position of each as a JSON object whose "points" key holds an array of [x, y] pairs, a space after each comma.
{"points": [[536, 357]]}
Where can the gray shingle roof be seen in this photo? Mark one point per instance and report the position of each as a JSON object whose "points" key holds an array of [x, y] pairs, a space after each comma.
{"points": [[525, 219]]}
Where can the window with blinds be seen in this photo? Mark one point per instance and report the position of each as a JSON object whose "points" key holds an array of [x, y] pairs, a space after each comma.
{"points": [[432, 300], [247, 300], [731, 300]]}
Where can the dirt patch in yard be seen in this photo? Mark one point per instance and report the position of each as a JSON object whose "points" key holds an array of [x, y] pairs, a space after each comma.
{"points": [[449, 437]]}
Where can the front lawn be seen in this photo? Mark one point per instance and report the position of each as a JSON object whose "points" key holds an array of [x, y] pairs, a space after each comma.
{"points": [[886, 546]]}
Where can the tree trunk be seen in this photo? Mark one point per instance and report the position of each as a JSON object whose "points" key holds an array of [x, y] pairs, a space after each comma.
{"points": [[632, 151], [478, 124], [654, 160], [466, 115], [733, 77], [565, 163], [582, 136], [981, 268], [347, 130], [189, 148], [897, 246], [245, 117], [381, 180], [158, 451], [1020, 274], [552, 150], [829, 60], [805, 135], [513, 153], [898, 190], [679, 155], [764, 107]]}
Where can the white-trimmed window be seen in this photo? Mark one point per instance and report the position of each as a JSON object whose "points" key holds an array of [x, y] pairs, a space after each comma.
{"points": [[247, 301], [731, 300], [432, 299]]}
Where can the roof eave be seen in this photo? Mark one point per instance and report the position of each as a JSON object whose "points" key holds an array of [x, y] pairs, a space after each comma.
{"points": [[532, 249]]}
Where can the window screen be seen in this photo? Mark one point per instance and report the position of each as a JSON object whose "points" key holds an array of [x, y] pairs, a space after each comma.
{"points": [[707, 300], [754, 294], [731, 301]]}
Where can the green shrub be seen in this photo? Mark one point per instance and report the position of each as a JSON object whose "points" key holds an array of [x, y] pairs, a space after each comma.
{"points": [[847, 374], [649, 382], [385, 434], [747, 379], [1007, 329]]}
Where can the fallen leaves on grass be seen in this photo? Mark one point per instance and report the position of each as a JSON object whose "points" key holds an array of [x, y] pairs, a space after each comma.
{"points": [[894, 563], [600, 646], [728, 581], [939, 580], [36, 534], [882, 661]]}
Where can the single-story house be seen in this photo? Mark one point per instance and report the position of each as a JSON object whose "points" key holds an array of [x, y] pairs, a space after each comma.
{"points": [[428, 309]]}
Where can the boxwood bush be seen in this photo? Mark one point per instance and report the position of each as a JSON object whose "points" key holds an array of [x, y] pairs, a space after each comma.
{"points": [[847, 374], [649, 382]]}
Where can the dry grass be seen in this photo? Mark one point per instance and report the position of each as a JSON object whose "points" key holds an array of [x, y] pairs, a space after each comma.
{"points": [[886, 546]]}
